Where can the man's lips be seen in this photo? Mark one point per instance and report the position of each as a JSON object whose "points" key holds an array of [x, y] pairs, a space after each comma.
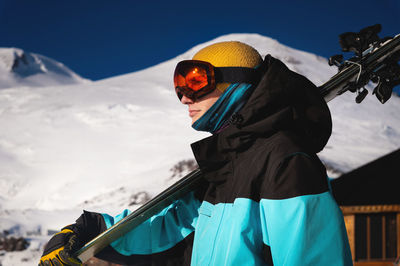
{"points": [[193, 112]]}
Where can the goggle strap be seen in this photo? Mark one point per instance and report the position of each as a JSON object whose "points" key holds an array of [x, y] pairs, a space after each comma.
{"points": [[237, 75]]}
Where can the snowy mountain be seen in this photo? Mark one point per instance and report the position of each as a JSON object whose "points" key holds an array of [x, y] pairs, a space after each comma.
{"points": [[20, 68], [105, 145]]}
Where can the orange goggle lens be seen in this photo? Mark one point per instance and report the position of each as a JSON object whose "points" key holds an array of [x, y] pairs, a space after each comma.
{"points": [[194, 79]]}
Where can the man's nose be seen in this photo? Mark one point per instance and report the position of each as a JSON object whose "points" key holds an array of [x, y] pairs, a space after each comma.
{"points": [[186, 100]]}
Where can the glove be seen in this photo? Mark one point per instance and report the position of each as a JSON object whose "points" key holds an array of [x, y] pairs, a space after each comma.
{"points": [[60, 249]]}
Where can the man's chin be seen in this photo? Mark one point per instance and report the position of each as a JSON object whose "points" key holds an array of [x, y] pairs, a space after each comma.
{"points": [[195, 118]]}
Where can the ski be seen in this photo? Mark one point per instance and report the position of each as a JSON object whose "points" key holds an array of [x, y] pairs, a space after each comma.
{"points": [[375, 60]]}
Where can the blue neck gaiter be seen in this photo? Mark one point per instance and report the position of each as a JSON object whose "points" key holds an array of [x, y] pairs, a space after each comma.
{"points": [[231, 101]]}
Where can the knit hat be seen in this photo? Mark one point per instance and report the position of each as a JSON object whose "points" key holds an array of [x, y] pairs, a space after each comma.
{"points": [[229, 54]]}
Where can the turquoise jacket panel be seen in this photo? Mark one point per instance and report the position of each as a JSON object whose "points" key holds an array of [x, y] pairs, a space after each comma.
{"points": [[297, 230], [305, 230]]}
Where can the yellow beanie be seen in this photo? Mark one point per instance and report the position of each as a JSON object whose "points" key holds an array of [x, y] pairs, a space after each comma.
{"points": [[229, 54]]}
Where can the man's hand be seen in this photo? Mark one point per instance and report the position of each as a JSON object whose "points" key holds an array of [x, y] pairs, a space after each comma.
{"points": [[60, 249]]}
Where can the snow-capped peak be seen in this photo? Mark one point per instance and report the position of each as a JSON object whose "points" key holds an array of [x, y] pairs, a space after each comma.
{"points": [[21, 68]]}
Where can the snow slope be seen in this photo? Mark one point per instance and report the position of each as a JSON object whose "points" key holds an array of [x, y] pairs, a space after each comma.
{"points": [[20, 68], [96, 145]]}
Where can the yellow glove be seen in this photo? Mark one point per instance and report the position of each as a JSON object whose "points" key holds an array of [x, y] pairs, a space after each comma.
{"points": [[60, 249]]}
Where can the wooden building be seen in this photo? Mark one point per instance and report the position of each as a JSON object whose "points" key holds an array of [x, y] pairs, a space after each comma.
{"points": [[370, 200]]}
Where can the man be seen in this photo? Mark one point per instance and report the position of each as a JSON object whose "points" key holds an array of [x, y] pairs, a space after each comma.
{"points": [[265, 199]]}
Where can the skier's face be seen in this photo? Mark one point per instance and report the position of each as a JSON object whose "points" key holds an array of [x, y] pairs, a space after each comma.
{"points": [[200, 106]]}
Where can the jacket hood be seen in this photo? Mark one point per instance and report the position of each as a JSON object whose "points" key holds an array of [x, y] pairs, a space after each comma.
{"points": [[282, 101]]}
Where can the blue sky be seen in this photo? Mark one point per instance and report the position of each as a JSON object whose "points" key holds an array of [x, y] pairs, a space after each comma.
{"points": [[103, 38]]}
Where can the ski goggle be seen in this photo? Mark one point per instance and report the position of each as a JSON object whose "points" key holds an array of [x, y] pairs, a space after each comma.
{"points": [[195, 79]]}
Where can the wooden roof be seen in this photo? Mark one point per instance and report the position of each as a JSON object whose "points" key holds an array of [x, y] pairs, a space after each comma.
{"points": [[376, 183]]}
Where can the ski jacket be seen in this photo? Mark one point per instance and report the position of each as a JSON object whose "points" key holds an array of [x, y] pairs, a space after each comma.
{"points": [[265, 199]]}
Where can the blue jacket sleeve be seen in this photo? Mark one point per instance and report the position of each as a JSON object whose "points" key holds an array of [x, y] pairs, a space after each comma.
{"points": [[304, 228], [159, 233]]}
